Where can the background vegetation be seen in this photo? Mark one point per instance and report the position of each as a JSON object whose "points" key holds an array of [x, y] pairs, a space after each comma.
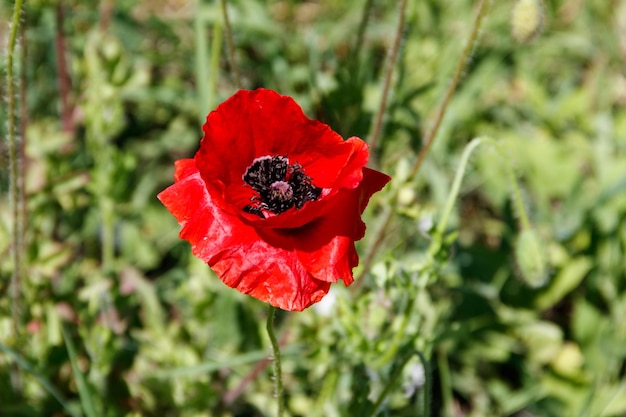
{"points": [[115, 317]]}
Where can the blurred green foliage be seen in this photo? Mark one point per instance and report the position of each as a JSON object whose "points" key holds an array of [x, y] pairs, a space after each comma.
{"points": [[117, 317]]}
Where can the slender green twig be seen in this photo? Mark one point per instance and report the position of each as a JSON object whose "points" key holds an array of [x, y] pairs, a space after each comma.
{"points": [[201, 59], [84, 391], [446, 384], [14, 170], [428, 383], [516, 197], [99, 133], [456, 186], [380, 233], [278, 375], [21, 156], [231, 45], [393, 54], [358, 43], [398, 335], [390, 384], [216, 48], [456, 78]]}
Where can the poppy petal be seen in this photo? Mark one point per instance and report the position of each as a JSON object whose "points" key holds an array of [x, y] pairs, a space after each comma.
{"points": [[235, 252], [272, 200]]}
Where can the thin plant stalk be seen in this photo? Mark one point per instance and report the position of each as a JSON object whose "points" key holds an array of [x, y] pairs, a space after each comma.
{"points": [[278, 375], [398, 336], [15, 188], [14, 170], [216, 48], [22, 149], [356, 49], [98, 134], [390, 384], [207, 65], [393, 54], [201, 60], [428, 383], [516, 196], [432, 133], [230, 44], [483, 7], [446, 383]]}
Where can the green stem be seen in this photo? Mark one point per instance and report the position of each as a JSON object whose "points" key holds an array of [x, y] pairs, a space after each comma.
{"points": [[15, 192], [201, 61], [390, 384], [231, 44], [278, 375], [446, 384], [456, 78], [456, 186], [14, 170], [361, 32], [428, 383], [216, 48], [107, 211], [460, 68], [378, 123], [398, 335]]}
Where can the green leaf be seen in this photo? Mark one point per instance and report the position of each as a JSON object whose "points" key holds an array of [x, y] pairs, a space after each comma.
{"points": [[84, 392], [564, 282]]}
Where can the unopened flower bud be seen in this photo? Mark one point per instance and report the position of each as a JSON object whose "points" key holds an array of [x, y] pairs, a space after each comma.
{"points": [[531, 258], [526, 20]]}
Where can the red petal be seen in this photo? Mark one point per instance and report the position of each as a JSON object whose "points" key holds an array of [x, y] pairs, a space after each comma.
{"points": [[258, 123], [184, 168], [235, 251], [326, 248], [288, 260]]}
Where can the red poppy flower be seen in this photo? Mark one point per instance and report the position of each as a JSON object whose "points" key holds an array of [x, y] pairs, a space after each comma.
{"points": [[272, 201]]}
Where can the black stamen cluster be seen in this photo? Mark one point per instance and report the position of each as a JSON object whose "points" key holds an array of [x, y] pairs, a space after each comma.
{"points": [[279, 186]]}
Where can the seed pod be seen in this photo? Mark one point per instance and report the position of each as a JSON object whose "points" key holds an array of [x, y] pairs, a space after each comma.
{"points": [[531, 258], [526, 20]]}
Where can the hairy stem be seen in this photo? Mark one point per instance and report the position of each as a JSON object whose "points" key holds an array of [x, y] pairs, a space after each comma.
{"points": [[391, 61], [231, 45], [456, 78], [278, 375], [14, 166], [15, 191], [390, 384], [22, 149], [456, 186], [379, 237]]}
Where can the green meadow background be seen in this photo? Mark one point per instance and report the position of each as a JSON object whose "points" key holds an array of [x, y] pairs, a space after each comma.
{"points": [[109, 314]]}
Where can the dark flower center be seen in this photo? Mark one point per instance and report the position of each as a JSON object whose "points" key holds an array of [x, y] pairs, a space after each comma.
{"points": [[279, 186]]}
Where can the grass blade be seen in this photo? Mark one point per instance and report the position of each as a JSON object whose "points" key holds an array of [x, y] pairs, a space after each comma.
{"points": [[84, 392], [26, 366]]}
